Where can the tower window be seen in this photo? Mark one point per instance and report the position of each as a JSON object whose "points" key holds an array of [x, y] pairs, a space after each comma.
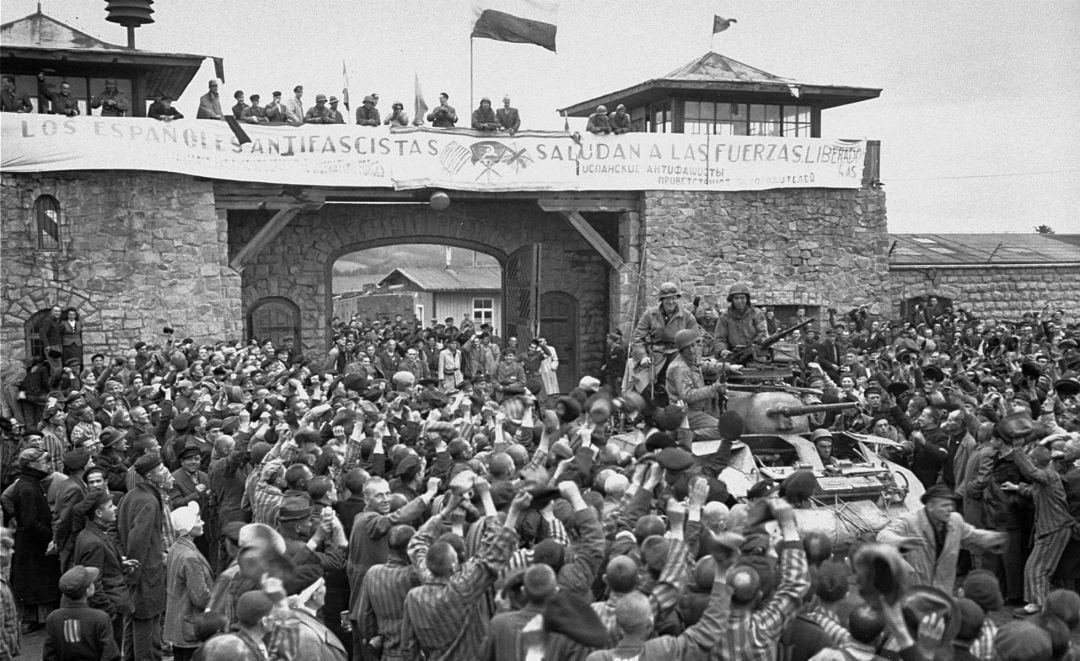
{"points": [[47, 216]]}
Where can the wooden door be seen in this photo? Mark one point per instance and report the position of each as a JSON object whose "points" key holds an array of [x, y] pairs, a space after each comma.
{"points": [[274, 319], [521, 284], [558, 324]]}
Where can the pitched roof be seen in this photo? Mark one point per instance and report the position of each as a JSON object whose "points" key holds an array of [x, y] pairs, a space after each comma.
{"points": [[443, 279], [40, 31], [713, 73], [969, 249], [714, 66]]}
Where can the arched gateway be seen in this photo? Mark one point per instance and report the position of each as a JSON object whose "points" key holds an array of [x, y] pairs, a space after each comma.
{"points": [[540, 251]]}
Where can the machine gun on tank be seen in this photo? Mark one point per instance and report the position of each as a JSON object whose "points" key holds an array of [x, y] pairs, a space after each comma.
{"points": [[750, 353]]}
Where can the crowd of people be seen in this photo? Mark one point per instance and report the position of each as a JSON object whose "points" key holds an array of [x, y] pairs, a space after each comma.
{"points": [[433, 492], [293, 111]]}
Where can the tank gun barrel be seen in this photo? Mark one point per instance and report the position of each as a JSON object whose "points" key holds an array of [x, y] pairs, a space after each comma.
{"points": [[754, 387], [808, 409]]}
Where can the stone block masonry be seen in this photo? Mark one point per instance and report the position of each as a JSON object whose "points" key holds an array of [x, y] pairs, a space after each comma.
{"points": [[813, 247], [138, 251], [1000, 292]]}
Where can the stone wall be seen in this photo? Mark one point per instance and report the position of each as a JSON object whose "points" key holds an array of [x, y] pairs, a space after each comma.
{"points": [[139, 251], [794, 247], [1000, 292], [297, 263]]}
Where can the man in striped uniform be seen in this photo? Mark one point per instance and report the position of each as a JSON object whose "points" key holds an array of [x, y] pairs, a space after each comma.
{"points": [[1053, 523], [753, 632], [382, 596], [443, 617]]}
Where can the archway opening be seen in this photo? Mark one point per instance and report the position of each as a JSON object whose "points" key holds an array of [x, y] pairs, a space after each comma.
{"points": [[429, 284]]}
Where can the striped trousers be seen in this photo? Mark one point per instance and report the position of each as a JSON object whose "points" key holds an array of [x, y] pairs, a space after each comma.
{"points": [[1040, 566]]}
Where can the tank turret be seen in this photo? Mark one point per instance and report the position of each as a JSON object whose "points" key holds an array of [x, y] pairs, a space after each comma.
{"points": [[779, 411]]}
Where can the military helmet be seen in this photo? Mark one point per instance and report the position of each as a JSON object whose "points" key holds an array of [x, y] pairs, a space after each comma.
{"points": [[667, 289], [685, 338], [739, 288], [821, 434]]}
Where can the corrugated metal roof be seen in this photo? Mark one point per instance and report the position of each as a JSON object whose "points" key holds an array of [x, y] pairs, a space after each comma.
{"points": [[442, 279], [958, 249]]}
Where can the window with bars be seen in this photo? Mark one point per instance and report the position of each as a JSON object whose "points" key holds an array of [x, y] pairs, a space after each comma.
{"points": [[47, 222]]}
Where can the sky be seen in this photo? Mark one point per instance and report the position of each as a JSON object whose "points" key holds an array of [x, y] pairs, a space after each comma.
{"points": [[979, 116]]}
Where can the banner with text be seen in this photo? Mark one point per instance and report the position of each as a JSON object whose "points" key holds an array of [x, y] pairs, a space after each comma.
{"points": [[458, 159]]}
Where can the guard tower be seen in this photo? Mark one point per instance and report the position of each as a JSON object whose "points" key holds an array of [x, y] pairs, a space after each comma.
{"points": [[721, 96], [39, 43]]}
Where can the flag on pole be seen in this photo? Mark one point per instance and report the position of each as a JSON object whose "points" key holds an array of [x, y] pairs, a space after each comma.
{"points": [[518, 21], [345, 85], [720, 24], [420, 106]]}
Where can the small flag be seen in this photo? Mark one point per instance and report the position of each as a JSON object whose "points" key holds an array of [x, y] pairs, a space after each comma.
{"points": [[518, 21], [420, 106], [719, 24], [345, 83], [241, 135]]}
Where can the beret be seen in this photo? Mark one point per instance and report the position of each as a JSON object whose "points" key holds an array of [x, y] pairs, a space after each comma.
{"points": [[762, 489], [669, 418], [147, 463], [182, 422], [730, 425], [76, 459], [660, 440], [937, 491], [230, 425], [541, 496], [675, 459], [408, 466]]}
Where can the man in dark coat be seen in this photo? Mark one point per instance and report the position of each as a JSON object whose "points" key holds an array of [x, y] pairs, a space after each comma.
{"points": [[68, 494], [140, 524], [96, 547], [51, 336], [193, 485], [34, 574]]}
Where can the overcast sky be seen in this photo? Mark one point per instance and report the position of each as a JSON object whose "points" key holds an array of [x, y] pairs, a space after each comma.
{"points": [[978, 116]]}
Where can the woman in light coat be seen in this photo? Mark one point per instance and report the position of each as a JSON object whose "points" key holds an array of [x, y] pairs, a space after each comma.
{"points": [[188, 582]]}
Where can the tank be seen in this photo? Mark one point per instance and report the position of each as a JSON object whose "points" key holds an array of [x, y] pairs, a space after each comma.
{"points": [[854, 500]]}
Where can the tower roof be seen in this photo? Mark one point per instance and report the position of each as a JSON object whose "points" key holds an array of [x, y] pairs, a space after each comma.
{"points": [[714, 74], [37, 41]]}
